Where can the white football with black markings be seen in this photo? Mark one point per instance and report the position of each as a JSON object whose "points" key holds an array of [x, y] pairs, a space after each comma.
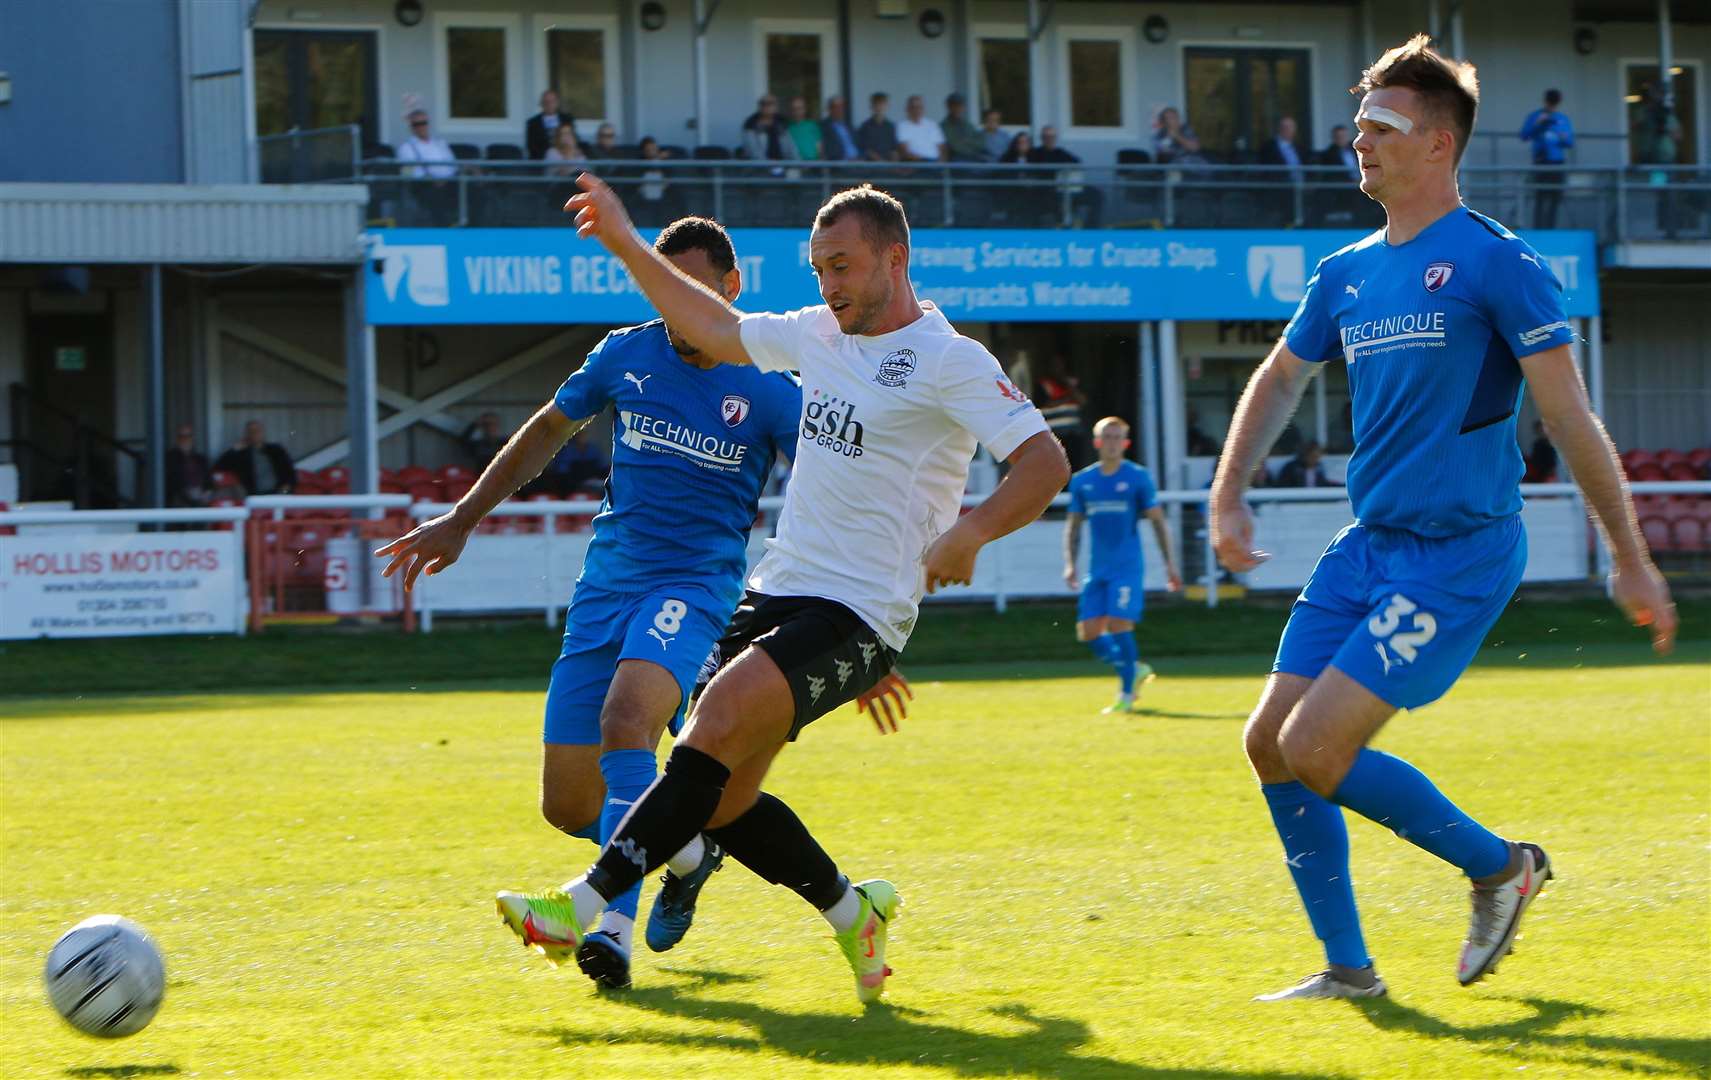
{"points": [[105, 977]]}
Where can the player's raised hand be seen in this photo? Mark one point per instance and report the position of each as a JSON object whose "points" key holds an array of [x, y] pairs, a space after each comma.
{"points": [[432, 546], [884, 702], [599, 213], [1233, 537], [1643, 596]]}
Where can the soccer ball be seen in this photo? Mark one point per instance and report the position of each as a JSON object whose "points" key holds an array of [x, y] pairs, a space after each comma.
{"points": [[105, 977]]}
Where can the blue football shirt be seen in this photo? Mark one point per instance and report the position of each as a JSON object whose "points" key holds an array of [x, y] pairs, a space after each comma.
{"points": [[1112, 504], [691, 450], [1432, 331]]}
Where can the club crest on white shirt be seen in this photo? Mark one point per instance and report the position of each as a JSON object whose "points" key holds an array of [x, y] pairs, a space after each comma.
{"points": [[1438, 275], [895, 369], [735, 409]]}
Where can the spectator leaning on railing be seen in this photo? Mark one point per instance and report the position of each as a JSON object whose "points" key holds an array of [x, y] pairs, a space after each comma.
{"points": [[1174, 141], [919, 137], [433, 157], [994, 140], [837, 141], [541, 131], [877, 136], [962, 139], [1089, 202]]}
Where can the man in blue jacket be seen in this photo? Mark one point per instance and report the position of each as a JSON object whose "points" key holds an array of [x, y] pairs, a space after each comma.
{"points": [[1551, 134]]}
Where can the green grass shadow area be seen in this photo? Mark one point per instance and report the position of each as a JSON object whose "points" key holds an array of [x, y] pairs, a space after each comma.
{"points": [[1660, 1054], [491, 653], [885, 1036], [122, 1072]]}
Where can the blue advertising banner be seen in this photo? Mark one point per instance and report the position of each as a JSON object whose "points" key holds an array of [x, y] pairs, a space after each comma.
{"points": [[429, 276]]}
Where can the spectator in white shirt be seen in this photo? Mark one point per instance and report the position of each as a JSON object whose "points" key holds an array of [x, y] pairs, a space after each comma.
{"points": [[433, 156], [919, 137]]}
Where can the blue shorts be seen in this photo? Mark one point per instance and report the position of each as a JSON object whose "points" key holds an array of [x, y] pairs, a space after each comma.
{"points": [[674, 627], [1399, 613], [1118, 597]]}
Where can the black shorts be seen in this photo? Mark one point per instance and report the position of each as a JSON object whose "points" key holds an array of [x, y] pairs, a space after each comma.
{"points": [[827, 653]]}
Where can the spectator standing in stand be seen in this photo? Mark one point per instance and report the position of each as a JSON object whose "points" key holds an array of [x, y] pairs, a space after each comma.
{"points": [[1087, 202], [877, 136], [541, 132], [919, 137], [1306, 469], [482, 439], [263, 468], [1552, 135], [765, 137], [962, 139], [994, 140]]}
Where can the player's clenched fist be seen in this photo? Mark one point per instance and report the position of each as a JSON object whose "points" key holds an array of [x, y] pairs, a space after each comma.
{"points": [[599, 213]]}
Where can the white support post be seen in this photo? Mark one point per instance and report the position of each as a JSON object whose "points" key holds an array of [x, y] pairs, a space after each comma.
{"points": [[214, 394], [1146, 405]]}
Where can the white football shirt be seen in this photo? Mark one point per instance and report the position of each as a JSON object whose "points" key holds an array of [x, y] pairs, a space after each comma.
{"points": [[889, 425]]}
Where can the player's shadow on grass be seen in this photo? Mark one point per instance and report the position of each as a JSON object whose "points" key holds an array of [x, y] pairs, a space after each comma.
{"points": [[122, 1070], [886, 1036], [1171, 714], [1523, 1037]]}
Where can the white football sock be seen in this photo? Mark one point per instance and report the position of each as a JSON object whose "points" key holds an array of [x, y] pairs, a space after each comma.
{"points": [[589, 904], [843, 914], [686, 861], [620, 926]]}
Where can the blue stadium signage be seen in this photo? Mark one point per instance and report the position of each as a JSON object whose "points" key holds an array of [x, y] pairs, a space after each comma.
{"points": [[441, 276]]}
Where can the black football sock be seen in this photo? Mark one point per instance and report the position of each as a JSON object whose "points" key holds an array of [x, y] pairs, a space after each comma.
{"points": [[668, 815], [772, 841]]}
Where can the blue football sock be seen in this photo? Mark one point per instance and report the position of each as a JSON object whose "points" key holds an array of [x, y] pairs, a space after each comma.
{"points": [[1400, 797], [1102, 646], [628, 774], [1316, 846], [1127, 658]]}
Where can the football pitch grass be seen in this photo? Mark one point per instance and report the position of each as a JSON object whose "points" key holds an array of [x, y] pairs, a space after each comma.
{"points": [[1083, 895]]}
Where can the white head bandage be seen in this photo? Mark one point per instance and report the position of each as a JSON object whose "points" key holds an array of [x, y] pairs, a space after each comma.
{"points": [[1378, 114]]}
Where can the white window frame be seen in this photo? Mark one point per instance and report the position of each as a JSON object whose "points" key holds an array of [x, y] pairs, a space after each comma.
{"points": [[444, 123], [831, 71], [586, 126], [1622, 66], [1129, 125], [1007, 32]]}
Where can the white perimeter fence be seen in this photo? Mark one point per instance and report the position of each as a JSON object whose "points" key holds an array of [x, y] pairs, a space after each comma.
{"points": [[86, 573]]}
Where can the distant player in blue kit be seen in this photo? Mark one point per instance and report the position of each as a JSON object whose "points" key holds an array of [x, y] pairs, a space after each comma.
{"points": [[1441, 316], [693, 442], [1112, 494]]}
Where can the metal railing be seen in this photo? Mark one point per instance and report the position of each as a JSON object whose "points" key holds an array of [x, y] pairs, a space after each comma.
{"points": [[310, 156], [1618, 203], [89, 476]]}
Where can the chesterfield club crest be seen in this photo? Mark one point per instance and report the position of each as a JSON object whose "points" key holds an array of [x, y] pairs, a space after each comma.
{"points": [[734, 409]]}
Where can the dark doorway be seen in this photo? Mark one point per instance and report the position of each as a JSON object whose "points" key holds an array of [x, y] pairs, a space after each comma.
{"points": [[1236, 96], [69, 410], [311, 79]]}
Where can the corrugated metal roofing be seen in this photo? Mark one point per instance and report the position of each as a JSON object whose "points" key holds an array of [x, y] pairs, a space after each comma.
{"points": [[216, 223]]}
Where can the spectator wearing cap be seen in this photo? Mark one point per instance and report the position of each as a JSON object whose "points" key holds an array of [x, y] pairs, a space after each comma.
{"points": [[540, 133], [837, 141], [877, 135], [919, 137], [433, 157], [765, 137], [805, 133], [962, 139]]}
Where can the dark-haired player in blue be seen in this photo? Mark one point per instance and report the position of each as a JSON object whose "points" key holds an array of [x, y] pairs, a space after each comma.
{"points": [[1112, 494], [1441, 317], [692, 443]]}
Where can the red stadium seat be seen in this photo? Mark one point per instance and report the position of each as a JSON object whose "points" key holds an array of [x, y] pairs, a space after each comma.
{"points": [[1690, 534], [392, 487], [7, 530], [426, 492], [1681, 470], [457, 489], [450, 473], [1633, 459], [412, 475], [336, 478], [1666, 458], [1650, 472], [1659, 536], [1700, 458]]}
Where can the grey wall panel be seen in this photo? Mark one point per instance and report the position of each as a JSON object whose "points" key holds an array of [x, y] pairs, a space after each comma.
{"points": [[216, 35], [217, 154]]}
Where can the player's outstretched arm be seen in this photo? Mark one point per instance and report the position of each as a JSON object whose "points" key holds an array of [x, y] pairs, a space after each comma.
{"points": [[1635, 584], [1267, 404], [1161, 532], [436, 543], [1038, 471], [690, 308]]}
